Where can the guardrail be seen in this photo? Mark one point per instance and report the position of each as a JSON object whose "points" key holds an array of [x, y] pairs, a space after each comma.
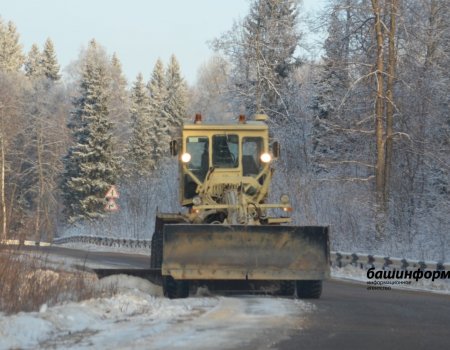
{"points": [[366, 261], [24, 242], [106, 241], [338, 259]]}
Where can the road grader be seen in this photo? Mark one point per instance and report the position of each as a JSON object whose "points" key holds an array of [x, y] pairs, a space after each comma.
{"points": [[230, 237]]}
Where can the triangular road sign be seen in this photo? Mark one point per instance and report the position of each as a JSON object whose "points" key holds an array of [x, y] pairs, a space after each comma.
{"points": [[112, 193], [111, 205]]}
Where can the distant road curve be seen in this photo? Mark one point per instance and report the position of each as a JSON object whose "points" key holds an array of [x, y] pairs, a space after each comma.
{"points": [[348, 316], [111, 259]]}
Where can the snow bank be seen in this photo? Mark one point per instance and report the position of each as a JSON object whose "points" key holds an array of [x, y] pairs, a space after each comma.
{"points": [[137, 318], [124, 283], [23, 331]]}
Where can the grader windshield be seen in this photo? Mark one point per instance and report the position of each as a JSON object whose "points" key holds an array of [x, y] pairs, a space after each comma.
{"points": [[226, 153]]}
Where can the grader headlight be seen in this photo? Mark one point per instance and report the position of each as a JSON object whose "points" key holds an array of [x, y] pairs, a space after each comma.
{"points": [[186, 157], [265, 158]]}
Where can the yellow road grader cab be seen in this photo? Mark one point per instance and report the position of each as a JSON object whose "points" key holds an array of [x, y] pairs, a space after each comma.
{"points": [[230, 237]]}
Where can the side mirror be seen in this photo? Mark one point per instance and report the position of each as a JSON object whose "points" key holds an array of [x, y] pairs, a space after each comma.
{"points": [[275, 149], [173, 148]]}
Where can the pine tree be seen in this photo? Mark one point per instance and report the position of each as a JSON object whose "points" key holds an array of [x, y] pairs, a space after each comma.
{"points": [[331, 87], [159, 118], [270, 40], [176, 99], [11, 56], [33, 63], [118, 79], [90, 166], [49, 61], [262, 51], [140, 157], [118, 102]]}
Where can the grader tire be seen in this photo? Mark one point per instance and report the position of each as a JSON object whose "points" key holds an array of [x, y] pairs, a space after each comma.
{"points": [[156, 250], [287, 288], [309, 289], [174, 289]]}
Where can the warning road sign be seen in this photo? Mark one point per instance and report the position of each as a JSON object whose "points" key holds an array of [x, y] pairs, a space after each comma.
{"points": [[111, 205], [112, 193]]}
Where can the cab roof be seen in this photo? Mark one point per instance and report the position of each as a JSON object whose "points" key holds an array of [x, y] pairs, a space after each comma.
{"points": [[228, 125]]}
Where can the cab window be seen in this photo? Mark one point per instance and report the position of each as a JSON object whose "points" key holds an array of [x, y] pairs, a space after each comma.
{"points": [[252, 148], [225, 150], [197, 147]]}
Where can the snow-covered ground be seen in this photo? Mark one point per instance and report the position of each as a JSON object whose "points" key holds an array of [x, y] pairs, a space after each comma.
{"points": [[137, 317]]}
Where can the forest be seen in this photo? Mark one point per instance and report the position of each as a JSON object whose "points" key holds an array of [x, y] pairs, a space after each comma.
{"points": [[364, 127]]}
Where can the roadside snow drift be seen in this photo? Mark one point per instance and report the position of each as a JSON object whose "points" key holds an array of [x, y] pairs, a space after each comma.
{"points": [[138, 318]]}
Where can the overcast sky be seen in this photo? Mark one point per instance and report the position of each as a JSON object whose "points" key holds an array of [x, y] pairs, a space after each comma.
{"points": [[139, 31]]}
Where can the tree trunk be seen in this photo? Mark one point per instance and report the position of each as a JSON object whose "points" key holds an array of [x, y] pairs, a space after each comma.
{"points": [[39, 150], [390, 98], [4, 226], [379, 108]]}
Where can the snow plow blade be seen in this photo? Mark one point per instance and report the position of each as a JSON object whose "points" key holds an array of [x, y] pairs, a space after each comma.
{"points": [[239, 252]]}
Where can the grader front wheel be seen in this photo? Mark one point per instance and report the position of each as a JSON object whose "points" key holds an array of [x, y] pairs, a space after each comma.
{"points": [[309, 289], [174, 289], [287, 288]]}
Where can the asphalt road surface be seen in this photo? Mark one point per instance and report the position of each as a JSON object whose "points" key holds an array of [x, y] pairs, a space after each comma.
{"points": [[348, 316]]}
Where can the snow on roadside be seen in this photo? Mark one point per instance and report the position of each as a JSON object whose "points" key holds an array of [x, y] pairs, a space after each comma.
{"points": [[99, 248], [350, 272], [123, 283], [96, 323], [138, 318]]}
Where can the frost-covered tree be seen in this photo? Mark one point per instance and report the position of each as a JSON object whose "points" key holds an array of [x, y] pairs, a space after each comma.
{"points": [[159, 118], [176, 95], [50, 62], [117, 77], [140, 162], [11, 55], [90, 165], [332, 82], [262, 51], [118, 102], [12, 121], [209, 95], [403, 76], [331, 87], [33, 63], [39, 148]]}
